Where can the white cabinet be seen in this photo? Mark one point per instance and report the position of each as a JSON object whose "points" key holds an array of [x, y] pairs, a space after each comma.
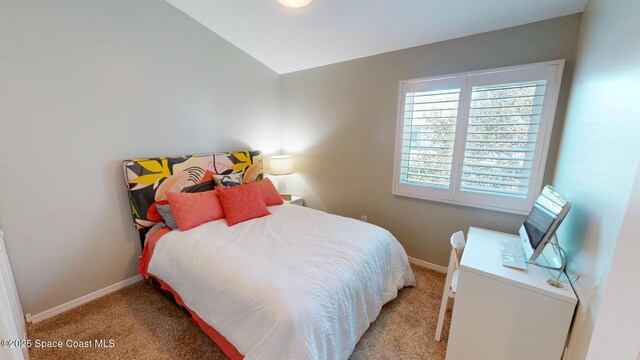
{"points": [[506, 313]]}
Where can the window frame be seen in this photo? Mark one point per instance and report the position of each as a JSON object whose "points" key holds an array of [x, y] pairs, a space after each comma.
{"points": [[552, 71]]}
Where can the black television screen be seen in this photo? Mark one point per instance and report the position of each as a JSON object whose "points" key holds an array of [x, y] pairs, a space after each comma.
{"points": [[548, 212]]}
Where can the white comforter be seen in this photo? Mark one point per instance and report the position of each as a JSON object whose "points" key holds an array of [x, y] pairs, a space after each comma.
{"points": [[297, 284]]}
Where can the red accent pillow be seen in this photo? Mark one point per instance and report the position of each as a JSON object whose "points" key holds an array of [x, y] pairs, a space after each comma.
{"points": [[269, 193], [242, 202], [152, 212], [193, 209]]}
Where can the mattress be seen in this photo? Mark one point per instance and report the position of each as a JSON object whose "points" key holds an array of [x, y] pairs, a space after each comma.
{"points": [[297, 284]]}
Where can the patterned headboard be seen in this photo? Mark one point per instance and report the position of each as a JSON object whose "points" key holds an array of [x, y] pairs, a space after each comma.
{"points": [[149, 180]]}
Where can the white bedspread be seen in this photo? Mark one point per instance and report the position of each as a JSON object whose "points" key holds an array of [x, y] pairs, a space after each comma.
{"points": [[297, 284]]}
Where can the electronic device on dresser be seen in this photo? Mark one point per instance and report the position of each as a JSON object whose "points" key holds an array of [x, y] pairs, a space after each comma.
{"points": [[538, 229]]}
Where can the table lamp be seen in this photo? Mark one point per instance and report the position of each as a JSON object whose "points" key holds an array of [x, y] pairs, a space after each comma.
{"points": [[281, 165]]}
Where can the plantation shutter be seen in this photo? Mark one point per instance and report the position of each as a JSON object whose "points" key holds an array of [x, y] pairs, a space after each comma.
{"points": [[428, 135], [502, 133], [477, 139]]}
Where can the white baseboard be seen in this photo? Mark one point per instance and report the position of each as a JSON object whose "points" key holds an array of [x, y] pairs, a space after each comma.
{"points": [[81, 300], [428, 265], [124, 283]]}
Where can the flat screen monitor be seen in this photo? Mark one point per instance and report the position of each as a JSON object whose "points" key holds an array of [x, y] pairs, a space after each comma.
{"points": [[543, 221]]}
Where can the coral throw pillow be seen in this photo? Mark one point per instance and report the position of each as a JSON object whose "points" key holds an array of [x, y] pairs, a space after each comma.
{"points": [[193, 209], [242, 202], [269, 193]]}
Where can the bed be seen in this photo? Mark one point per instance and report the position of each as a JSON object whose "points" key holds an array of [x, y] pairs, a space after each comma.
{"points": [[296, 284]]}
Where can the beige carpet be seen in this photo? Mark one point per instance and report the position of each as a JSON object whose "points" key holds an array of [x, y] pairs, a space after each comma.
{"points": [[145, 325]]}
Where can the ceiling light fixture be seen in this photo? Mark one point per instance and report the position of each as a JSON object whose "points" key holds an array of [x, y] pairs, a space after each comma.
{"points": [[294, 3]]}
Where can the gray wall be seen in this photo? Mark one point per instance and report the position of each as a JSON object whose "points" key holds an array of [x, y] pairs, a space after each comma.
{"points": [[340, 121], [599, 153], [86, 84]]}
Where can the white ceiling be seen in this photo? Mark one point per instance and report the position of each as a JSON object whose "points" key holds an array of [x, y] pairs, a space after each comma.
{"points": [[330, 31]]}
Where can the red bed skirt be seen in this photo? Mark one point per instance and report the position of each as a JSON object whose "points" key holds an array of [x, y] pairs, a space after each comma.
{"points": [[220, 340]]}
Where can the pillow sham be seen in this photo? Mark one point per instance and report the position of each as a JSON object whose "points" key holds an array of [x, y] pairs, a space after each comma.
{"points": [[227, 181], [156, 226], [152, 211], [270, 194], [193, 209], [242, 203], [167, 215]]}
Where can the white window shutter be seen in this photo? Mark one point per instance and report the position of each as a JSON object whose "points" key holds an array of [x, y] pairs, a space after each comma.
{"points": [[477, 139], [428, 136], [501, 138]]}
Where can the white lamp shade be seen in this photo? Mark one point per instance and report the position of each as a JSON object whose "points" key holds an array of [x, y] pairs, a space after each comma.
{"points": [[281, 165]]}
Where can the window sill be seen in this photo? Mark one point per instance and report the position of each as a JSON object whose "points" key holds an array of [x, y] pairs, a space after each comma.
{"points": [[461, 203]]}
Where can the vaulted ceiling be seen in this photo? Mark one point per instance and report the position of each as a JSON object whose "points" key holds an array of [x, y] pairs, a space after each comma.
{"points": [[330, 31]]}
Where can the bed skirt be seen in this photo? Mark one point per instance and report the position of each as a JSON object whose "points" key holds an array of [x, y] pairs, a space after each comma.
{"points": [[217, 338]]}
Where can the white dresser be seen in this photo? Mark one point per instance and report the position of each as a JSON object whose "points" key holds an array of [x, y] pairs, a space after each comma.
{"points": [[506, 313]]}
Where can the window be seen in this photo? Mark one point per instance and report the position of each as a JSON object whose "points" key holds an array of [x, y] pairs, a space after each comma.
{"points": [[478, 139]]}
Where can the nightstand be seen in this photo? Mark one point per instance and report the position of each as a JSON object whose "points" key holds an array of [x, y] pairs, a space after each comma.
{"points": [[293, 199]]}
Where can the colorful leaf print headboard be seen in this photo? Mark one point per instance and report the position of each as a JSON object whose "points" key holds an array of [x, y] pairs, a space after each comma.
{"points": [[149, 180]]}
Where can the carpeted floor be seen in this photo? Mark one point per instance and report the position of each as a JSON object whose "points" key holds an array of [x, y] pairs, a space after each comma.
{"points": [[143, 324]]}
